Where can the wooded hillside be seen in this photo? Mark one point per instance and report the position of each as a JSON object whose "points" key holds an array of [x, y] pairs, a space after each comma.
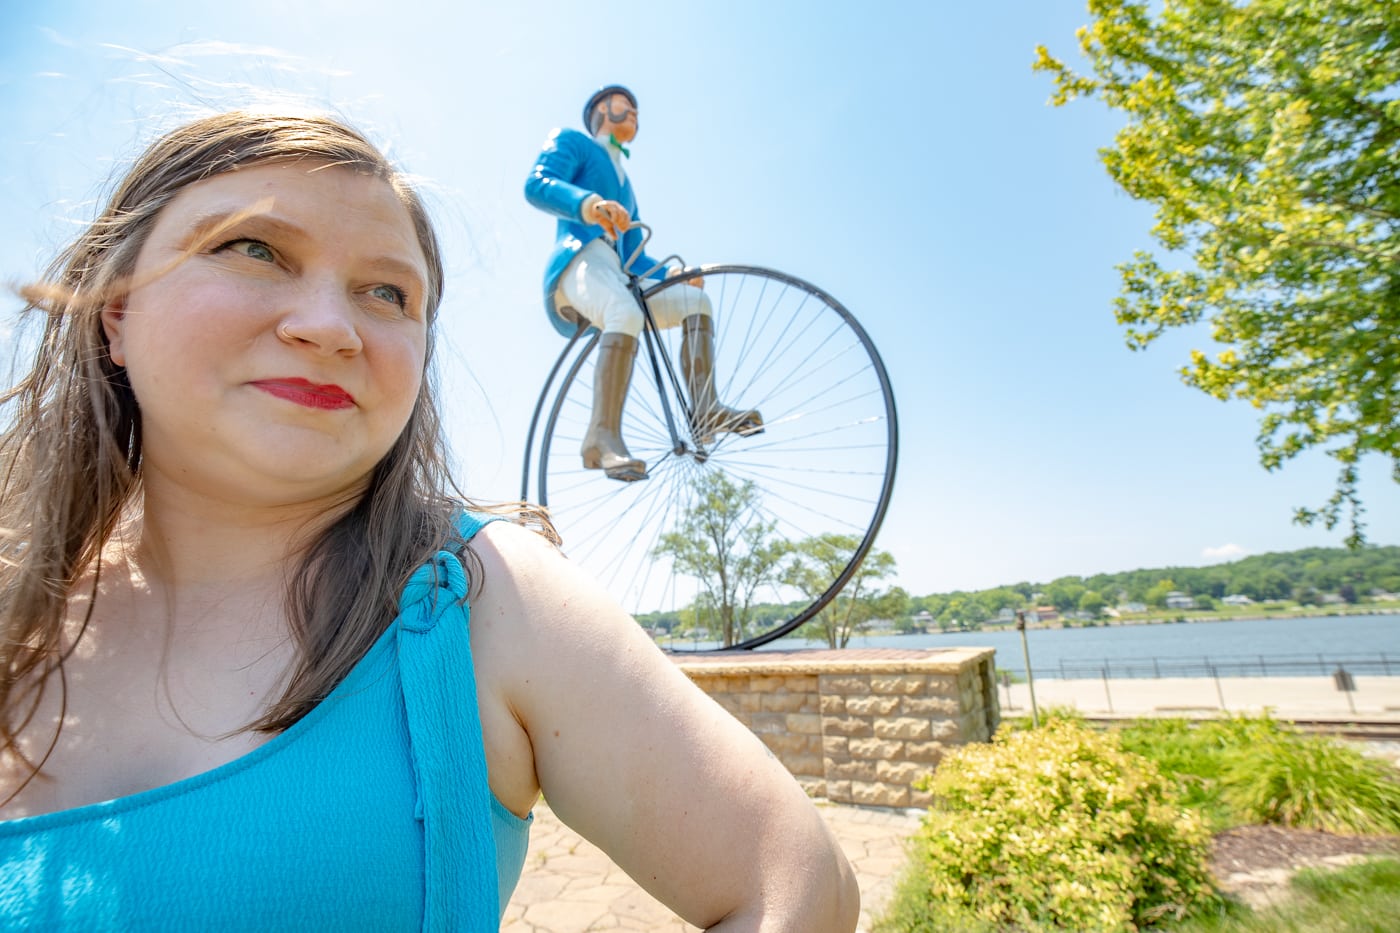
{"points": [[1305, 576]]}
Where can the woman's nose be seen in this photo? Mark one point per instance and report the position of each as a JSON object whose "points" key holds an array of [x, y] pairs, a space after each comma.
{"points": [[323, 317]]}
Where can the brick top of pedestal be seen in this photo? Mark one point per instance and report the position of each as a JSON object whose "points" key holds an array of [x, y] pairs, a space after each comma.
{"points": [[816, 660]]}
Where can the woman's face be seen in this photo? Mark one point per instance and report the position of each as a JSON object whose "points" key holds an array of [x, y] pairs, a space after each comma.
{"points": [[274, 333]]}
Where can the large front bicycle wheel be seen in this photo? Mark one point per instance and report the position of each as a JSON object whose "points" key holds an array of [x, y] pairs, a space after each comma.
{"points": [[733, 540]]}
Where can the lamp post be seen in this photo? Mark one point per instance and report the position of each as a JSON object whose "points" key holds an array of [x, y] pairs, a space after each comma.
{"points": [[1030, 678]]}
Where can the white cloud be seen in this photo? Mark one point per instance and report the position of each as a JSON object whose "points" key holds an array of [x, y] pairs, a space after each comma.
{"points": [[1224, 552], [57, 38]]}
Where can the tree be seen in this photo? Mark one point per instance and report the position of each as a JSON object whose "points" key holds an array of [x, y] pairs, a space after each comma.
{"points": [[1064, 594], [819, 560], [1092, 603], [1157, 593], [1003, 597], [894, 606], [1267, 134], [723, 541], [933, 604], [965, 610]]}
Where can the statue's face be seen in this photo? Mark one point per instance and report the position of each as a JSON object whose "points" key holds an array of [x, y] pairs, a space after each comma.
{"points": [[619, 117]]}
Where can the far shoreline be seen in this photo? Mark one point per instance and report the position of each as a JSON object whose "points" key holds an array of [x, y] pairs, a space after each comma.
{"points": [[1180, 618]]}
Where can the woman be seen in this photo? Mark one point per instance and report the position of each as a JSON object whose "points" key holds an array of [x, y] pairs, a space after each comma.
{"points": [[240, 690]]}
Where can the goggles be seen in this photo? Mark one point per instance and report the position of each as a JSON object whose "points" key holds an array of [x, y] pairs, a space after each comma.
{"points": [[619, 112]]}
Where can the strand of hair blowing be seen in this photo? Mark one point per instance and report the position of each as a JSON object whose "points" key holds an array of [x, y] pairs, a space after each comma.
{"points": [[66, 470]]}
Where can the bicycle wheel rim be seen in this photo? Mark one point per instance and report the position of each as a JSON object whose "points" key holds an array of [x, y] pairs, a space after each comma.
{"points": [[824, 464]]}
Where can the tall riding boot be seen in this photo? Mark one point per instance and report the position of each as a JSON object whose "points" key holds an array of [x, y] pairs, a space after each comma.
{"points": [[602, 446], [709, 417]]}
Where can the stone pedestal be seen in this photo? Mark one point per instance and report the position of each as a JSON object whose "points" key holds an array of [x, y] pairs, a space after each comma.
{"points": [[858, 725]]}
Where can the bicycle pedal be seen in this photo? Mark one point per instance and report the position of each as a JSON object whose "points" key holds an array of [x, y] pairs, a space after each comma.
{"points": [[625, 474]]}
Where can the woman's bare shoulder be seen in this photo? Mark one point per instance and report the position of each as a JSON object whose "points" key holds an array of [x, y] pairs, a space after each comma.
{"points": [[529, 585], [505, 540]]}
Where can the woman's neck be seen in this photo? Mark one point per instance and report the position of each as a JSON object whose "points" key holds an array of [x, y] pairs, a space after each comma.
{"points": [[187, 539]]}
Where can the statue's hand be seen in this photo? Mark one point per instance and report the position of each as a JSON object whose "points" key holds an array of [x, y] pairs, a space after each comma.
{"points": [[676, 269], [610, 215]]}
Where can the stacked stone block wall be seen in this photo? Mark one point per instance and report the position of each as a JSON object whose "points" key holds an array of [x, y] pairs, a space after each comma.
{"points": [[853, 729]]}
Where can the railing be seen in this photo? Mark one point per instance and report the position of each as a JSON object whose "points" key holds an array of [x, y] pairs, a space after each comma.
{"points": [[1261, 665]]}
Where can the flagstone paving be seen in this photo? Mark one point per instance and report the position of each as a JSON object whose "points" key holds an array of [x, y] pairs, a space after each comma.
{"points": [[570, 886]]}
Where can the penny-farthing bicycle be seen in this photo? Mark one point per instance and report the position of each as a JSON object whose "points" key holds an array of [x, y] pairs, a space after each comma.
{"points": [[822, 468]]}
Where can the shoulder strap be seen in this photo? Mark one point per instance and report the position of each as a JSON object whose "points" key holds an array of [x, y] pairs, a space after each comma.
{"points": [[449, 759], [469, 523]]}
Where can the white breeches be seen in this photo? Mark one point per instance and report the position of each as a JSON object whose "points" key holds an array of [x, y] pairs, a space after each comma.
{"points": [[595, 287]]}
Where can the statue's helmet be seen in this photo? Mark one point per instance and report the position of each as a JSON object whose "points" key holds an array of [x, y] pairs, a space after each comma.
{"points": [[603, 93]]}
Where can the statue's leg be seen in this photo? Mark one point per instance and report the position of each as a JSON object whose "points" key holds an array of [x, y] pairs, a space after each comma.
{"points": [[603, 447], [709, 415]]}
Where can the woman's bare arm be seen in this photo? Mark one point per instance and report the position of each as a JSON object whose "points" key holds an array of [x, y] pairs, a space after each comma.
{"points": [[639, 761]]}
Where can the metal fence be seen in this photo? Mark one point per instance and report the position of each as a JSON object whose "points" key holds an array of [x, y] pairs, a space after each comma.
{"points": [[1260, 665]]}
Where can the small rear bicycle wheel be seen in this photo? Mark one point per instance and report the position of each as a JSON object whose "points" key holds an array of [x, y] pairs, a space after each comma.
{"points": [[706, 545]]}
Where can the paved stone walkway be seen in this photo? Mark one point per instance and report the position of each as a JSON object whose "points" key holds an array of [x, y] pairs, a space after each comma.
{"points": [[570, 886], [1375, 698]]}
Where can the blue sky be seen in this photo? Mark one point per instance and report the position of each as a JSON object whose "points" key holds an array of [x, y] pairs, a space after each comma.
{"points": [[899, 155]]}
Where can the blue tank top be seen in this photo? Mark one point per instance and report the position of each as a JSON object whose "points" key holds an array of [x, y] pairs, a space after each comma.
{"points": [[372, 812]]}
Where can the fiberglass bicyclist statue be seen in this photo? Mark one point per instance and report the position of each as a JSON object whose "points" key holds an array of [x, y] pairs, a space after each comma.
{"points": [[580, 179]]}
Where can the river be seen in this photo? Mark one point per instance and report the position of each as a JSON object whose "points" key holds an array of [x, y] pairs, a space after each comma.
{"points": [[1240, 647]]}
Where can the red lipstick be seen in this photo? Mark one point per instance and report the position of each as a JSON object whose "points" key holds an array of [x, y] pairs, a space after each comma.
{"points": [[307, 393]]}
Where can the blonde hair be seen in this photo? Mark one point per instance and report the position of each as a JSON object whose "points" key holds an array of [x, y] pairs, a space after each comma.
{"points": [[70, 461]]}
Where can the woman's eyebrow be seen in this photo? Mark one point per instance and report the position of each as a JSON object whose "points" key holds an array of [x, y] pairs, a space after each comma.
{"points": [[208, 225], [394, 265]]}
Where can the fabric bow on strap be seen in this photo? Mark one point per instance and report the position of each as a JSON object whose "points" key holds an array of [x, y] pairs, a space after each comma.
{"points": [[449, 760]]}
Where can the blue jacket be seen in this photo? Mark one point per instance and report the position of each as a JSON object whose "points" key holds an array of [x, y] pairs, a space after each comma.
{"points": [[571, 167]]}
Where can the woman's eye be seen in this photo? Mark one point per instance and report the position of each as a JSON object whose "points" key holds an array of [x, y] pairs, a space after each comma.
{"points": [[253, 249], [390, 293]]}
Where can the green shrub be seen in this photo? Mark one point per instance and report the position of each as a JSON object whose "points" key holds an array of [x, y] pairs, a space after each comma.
{"points": [[1047, 714], [1195, 754], [1313, 782], [1056, 828], [1194, 746], [1258, 770]]}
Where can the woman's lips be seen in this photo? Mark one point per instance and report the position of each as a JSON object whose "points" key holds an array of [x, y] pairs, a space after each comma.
{"points": [[307, 393]]}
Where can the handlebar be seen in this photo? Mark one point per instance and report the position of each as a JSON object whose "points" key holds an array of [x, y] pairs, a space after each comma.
{"points": [[627, 262]]}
